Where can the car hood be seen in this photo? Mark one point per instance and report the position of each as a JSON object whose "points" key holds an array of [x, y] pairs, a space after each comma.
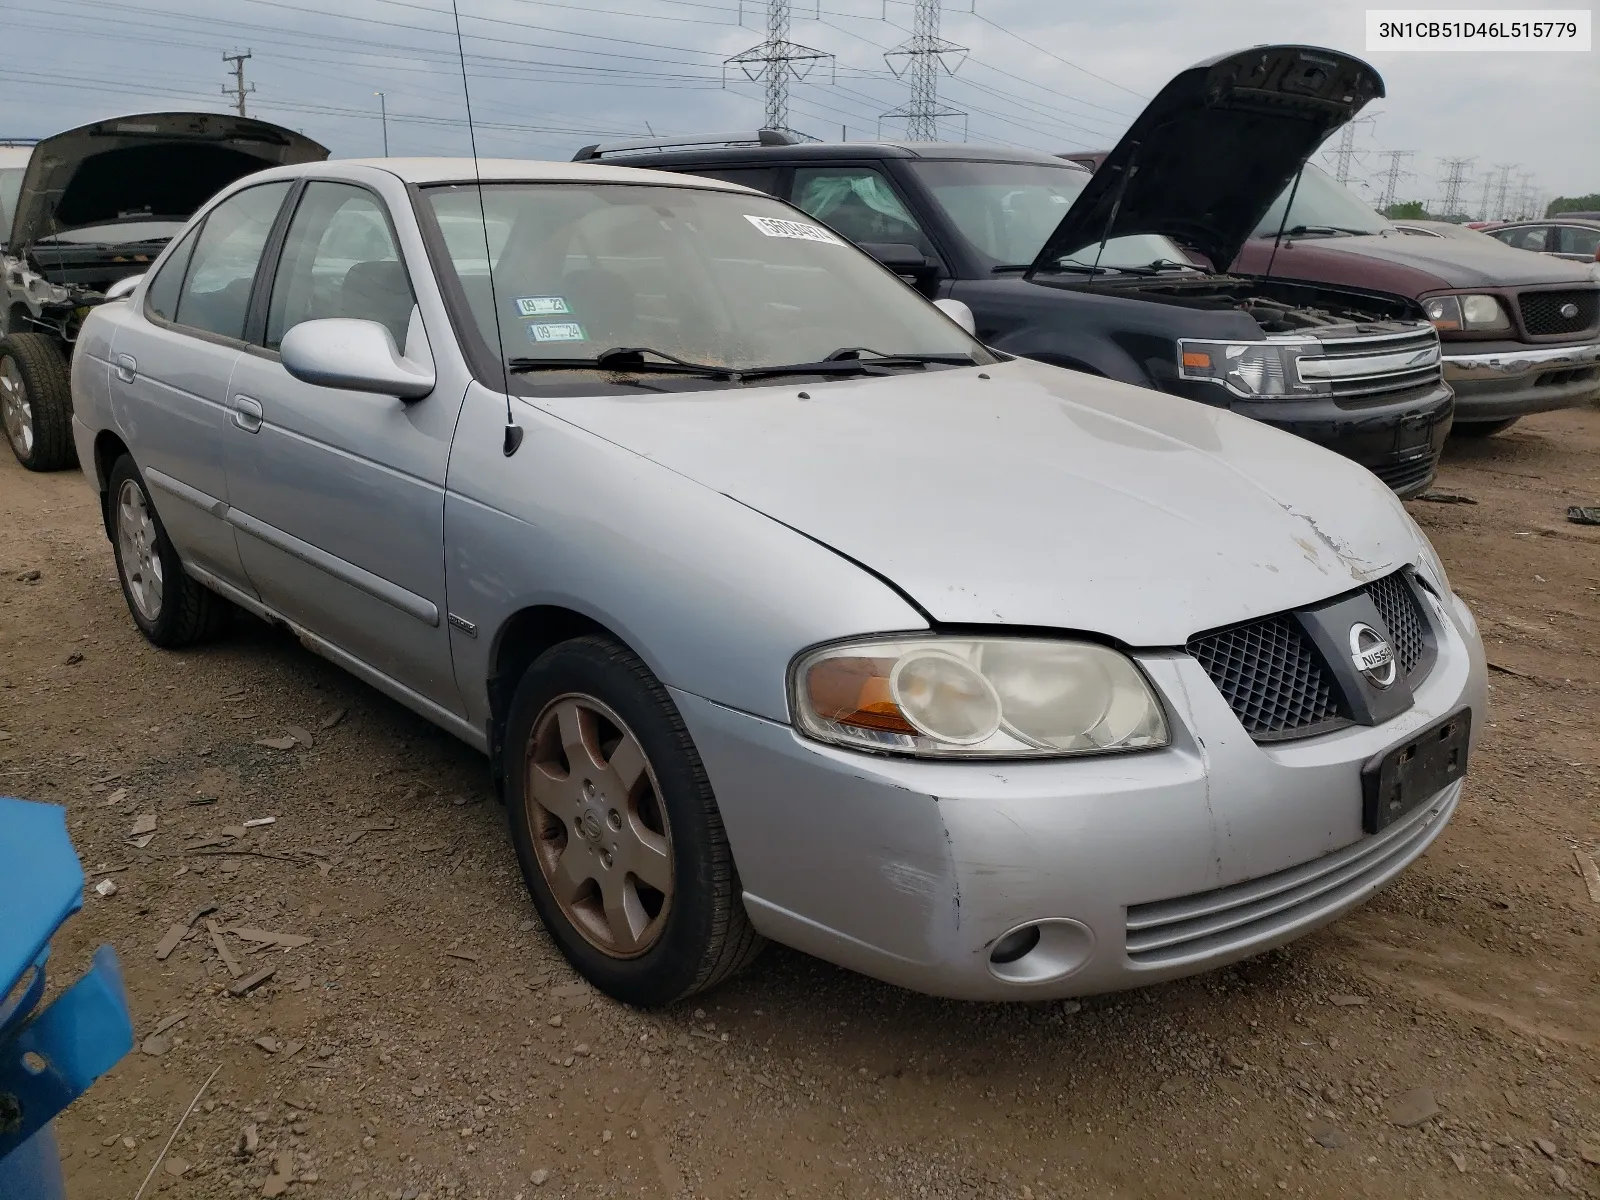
{"points": [[1413, 264], [1038, 497], [157, 165], [1208, 156]]}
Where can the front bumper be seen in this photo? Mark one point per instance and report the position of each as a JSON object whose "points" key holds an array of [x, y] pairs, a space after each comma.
{"points": [[1398, 440], [910, 871], [1515, 380]]}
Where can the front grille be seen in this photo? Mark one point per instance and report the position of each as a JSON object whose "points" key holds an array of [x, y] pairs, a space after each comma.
{"points": [[1262, 911], [1408, 473], [1271, 677], [1275, 680], [1541, 311], [1374, 366], [1397, 604]]}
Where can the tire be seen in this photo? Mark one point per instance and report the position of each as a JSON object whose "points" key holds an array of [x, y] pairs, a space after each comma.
{"points": [[36, 402], [1482, 429], [167, 604], [642, 944]]}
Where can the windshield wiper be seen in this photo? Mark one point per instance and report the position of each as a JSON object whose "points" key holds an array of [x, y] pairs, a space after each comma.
{"points": [[1296, 230], [625, 360]]}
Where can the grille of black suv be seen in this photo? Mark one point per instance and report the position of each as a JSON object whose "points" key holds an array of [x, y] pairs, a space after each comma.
{"points": [[1275, 680], [1541, 311], [1374, 366]]}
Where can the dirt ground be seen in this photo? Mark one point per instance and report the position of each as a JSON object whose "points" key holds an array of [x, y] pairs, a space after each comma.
{"points": [[429, 1042]]}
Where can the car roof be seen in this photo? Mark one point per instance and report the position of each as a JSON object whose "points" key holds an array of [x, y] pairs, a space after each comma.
{"points": [[836, 151], [14, 156], [1558, 219], [505, 170]]}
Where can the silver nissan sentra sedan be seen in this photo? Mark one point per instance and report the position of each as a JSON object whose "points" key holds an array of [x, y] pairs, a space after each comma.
{"points": [[782, 607]]}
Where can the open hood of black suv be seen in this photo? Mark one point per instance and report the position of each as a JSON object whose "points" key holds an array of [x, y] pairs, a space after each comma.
{"points": [[151, 166], [1208, 156]]}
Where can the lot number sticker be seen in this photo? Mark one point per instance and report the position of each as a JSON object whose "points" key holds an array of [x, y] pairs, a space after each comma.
{"points": [[779, 228], [557, 331], [542, 306]]}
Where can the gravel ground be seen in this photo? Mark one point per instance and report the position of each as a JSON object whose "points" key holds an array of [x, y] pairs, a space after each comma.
{"points": [[420, 1038]]}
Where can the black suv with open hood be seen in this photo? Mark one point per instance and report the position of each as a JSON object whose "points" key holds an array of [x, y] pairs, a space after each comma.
{"points": [[1085, 271], [94, 207]]}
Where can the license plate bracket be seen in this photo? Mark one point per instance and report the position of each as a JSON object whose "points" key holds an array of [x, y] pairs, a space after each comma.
{"points": [[1406, 775]]}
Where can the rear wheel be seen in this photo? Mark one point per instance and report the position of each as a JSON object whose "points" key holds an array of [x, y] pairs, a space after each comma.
{"points": [[36, 401], [1478, 429], [167, 605], [617, 830]]}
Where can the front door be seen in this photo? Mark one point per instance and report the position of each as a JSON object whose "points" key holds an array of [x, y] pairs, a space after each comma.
{"points": [[338, 496], [170, 371]]}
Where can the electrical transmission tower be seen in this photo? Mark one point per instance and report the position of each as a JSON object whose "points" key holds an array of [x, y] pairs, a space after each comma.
{"points": [[1391, 178], [1502, 191], [919, 62], [775, 62], [1455, 183], [1345, 152], [1488, 183], [238, 91], [1525, 195]]}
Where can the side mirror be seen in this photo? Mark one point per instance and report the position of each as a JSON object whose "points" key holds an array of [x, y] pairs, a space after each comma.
{"points": [[123, 287], [360, 356], [904, 259], [958, 312]]}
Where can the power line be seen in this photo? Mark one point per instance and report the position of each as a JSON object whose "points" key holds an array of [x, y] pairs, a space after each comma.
{"points": [[919, 61], [238, 89], [775, 62]]}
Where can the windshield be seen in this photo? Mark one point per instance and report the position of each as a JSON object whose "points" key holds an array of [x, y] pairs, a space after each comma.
{"points": [[1322, 203], [10, 188], [726, 279], [1007, 211]]}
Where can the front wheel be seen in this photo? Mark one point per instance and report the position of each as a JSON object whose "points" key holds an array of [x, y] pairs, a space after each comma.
{"points": [[1482, 429], [167, 605], [616, 828], [36, 402]]}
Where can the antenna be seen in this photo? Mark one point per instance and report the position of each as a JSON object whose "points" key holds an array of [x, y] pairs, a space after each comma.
{"points": [[513, 430]]}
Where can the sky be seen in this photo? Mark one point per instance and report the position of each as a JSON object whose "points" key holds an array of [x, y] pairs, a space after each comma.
{"points": [[548, 76]]}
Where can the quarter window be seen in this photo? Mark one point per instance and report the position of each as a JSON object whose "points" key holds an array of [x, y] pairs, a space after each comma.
{"points": [[216, 293], [340, 260]]}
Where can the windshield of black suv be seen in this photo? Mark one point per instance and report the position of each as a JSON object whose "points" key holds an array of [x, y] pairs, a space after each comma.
{"points": [[685, 276], [10, 189], [1322, 205], [1006, 210]]}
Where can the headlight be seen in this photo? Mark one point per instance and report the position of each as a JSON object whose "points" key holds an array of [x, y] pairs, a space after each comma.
{"points": [[952, 697], [1245, 368], [1479, 313]]}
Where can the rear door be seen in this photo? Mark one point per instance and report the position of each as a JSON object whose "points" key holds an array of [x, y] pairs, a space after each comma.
{"points": [[170, 372], [338, 496]]}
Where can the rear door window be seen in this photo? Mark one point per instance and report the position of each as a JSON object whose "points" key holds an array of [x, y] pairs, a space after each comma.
{"points": [[1582, 240], [216, 292], [1527, 237], [858, 203]]}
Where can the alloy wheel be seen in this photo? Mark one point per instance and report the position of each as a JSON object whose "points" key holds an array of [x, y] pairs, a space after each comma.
{"points": [[600, 830], [136, 543], [15, 408]]}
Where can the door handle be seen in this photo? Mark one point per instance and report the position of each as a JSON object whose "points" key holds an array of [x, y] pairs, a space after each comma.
{"points": [[247, 414], [127, 367]]}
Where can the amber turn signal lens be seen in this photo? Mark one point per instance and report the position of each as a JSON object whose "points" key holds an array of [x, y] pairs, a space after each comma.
{"points": [[1196, 358], [855, 691]]}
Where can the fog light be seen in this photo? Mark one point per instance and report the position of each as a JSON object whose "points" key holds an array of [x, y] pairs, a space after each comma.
{"points": [[1015, 944]]}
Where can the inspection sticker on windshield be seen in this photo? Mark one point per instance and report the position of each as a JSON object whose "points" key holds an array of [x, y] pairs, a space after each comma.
{"points": [[777, 227], [557, 331], [542, 306]]}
